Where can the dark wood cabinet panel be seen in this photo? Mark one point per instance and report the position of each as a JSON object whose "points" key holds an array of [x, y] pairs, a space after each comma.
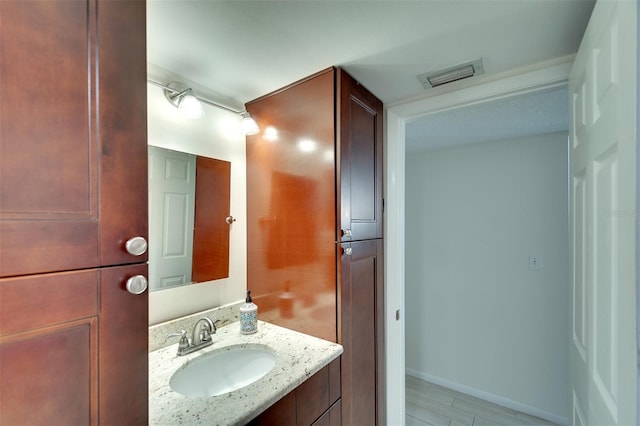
{"points": [[48, 349], [282, 413], [331, 417], [31, 302], [58, 395], [48, 142], [57, 143], [334, 381], [122, 125], [362, 325], [291, 219], [313, 397], [124, 352], [360, 157]]}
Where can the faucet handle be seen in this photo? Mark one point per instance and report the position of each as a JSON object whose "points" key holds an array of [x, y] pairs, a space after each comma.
{"points": [[184, 340], [205, 332], [205, 335]]}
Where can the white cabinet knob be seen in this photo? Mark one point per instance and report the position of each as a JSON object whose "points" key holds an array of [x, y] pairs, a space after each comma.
{"points": [[137, 284], [136, 246]]}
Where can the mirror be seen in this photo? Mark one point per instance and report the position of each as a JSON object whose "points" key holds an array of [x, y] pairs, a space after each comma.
{"points": [[189, 218], [216, 135]]}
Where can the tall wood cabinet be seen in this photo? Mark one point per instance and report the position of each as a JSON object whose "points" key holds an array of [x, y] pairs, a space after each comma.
{"points": [[360, 266], [315, 214], [73, 191]]}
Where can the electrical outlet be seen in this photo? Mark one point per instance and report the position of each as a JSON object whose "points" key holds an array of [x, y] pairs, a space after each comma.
{"points": [[534, 262]]}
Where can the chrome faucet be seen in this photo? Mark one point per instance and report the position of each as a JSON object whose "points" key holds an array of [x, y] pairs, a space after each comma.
{"points": [[203, 330], [202, 336]]}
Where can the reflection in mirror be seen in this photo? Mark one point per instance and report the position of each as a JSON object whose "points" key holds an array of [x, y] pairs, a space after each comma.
{"points": [[217, 136], [189, 203]]}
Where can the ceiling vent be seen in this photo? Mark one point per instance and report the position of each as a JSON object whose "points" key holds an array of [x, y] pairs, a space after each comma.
{"points": [[451, 74]]}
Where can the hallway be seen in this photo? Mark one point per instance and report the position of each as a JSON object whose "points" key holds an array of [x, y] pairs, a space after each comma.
{"points": [[434, 405]]}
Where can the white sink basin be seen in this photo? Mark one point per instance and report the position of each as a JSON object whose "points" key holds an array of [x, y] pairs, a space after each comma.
{"points": [[223, 370]]}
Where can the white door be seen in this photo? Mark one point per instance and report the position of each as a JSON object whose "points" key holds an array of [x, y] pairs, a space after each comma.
{"points": [[603, 144], [172, 183]]}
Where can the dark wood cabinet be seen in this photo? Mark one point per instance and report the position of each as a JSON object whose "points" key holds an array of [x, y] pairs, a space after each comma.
{"points": [[360, 271], [314, 183], [73, 190], [313, 402]]}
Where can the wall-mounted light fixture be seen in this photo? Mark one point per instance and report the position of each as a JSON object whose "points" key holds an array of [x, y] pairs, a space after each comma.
{"points": [[189, 104], [249, 125], [182, 97]]}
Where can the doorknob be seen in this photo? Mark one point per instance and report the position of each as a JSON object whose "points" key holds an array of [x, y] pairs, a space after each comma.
{"points": [[136, 246], [137, 284]]}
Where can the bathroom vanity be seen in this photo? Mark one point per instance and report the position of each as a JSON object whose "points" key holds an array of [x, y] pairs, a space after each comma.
{"points": [[306, 369]]}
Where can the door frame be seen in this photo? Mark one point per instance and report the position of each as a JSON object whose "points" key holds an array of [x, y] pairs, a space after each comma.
{"points": [[464, 93], [638, 218]]}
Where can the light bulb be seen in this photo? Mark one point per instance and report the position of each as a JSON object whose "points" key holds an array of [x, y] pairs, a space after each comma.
{"points": [[189, 106], [249, 125]]}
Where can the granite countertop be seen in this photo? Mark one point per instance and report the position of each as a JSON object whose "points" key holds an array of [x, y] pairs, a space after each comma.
{"points": [[299, 356]]}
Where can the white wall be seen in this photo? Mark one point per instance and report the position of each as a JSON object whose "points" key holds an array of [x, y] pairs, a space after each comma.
{"points": [[215, 135], [477, 318]]}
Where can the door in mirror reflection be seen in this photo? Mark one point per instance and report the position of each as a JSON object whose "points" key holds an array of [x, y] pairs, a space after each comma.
{"points": [[188, 205], [211, 232]]}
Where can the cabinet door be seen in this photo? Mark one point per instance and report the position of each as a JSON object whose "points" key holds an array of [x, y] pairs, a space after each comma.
{"points": [[360, 157], [362, 328], [48, 349], [73, 172], [68, 354], [123, 348]]}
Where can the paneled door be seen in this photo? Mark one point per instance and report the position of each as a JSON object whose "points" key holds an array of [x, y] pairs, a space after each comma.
{"points": [[172, 188], [604, 218]]}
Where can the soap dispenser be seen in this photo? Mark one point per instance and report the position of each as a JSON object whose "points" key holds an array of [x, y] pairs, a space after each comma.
{"points": [[248, 316]]}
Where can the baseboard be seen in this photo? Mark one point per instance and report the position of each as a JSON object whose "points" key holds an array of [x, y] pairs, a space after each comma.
{"points": [[496, 399]]}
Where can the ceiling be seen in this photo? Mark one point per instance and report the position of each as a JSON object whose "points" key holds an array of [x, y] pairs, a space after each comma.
{"points": [[239, 50], [510, 118]]}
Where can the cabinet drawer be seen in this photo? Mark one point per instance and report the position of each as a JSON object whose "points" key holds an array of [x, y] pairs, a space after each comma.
{"points": [[331, 417], [36, 301]]}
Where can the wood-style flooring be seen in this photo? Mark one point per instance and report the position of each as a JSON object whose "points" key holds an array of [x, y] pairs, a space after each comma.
{"points": [[433, 405]]}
